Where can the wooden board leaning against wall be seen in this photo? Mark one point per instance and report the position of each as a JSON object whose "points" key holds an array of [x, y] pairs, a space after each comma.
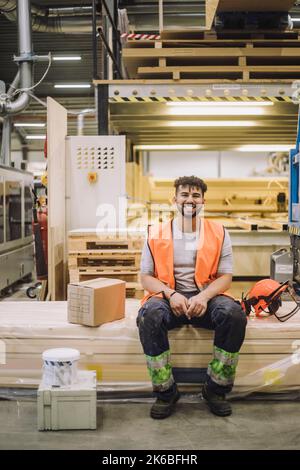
{"points": [[57, 264]]}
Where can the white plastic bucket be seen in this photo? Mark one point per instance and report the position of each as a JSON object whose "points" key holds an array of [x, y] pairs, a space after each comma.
{"points": [[60, 367]]}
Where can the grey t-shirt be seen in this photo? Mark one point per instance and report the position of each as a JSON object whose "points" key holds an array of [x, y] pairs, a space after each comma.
{"points": [[185, 251]]}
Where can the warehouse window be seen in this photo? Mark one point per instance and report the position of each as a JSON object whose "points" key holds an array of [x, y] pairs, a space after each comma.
{"points": [[28, 211], [13, 196]]}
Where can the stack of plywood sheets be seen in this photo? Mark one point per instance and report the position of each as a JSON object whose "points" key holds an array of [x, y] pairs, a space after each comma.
{"points": [[268, 359]]}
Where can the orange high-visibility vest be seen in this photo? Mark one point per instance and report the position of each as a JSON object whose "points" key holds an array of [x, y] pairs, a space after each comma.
{"points": [[160, 242]]}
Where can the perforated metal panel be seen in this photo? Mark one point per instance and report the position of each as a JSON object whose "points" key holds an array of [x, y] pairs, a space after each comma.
{"points": [[95, 157]]}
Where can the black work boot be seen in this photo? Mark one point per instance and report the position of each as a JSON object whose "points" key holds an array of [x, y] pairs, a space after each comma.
{"points": [[162, 409], [216, 403]]}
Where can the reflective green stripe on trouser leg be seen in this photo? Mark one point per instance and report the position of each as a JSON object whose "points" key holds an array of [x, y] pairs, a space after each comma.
{"points": [[160, 371], [223, 366]]}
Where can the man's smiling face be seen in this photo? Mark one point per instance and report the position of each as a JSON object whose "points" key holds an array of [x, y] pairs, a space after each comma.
{"points": [[189, 200]]}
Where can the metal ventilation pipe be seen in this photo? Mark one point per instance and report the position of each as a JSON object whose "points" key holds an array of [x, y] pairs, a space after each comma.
{"points": [[9, 8], [6, 127], [7, 106], [62, 24], [71, 20], [80, 119]]}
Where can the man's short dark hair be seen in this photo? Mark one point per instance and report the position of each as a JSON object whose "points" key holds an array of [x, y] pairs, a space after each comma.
{"points": [[192, 182]]}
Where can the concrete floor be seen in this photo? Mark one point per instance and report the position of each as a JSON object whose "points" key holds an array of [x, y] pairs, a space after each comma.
{"points": [[253, 425]]}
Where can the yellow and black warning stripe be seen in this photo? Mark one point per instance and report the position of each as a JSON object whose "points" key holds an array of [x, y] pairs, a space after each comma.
{"points": [[200, 99]]}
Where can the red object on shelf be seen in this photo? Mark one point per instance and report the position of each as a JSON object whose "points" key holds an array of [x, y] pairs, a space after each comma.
{"points": [[45, 148]]}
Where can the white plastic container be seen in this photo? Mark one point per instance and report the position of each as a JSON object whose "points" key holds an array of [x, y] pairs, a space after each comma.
{"points": [[72, 407], [60, 367]]}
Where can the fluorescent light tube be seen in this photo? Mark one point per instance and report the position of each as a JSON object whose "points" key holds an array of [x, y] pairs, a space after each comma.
{"points": [[63, 58], [73, 85], [265, 148], [35, 137], [211, 124], [219, 103], [216, 111], [168, 147], [29, 124]]}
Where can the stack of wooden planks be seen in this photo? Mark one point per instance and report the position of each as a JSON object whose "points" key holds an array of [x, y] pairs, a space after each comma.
{"points": [[268, 360], [91, 255], [228, 55]]}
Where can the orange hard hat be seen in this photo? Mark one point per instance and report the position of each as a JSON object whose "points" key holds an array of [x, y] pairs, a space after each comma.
{"points": [[265, 296]]}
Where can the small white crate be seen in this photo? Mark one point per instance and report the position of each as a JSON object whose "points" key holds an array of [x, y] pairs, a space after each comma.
{"points": [[72, 407]]}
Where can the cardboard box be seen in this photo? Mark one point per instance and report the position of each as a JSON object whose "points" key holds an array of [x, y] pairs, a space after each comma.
{"points": [[95, 302]]}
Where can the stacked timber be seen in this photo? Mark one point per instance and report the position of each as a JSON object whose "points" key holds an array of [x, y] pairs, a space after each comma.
{"points": [[92, 255], [216, 55], [269, 358]]}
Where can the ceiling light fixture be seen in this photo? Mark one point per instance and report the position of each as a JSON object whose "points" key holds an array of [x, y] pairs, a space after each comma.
{"points": [[220, 103], [65, 57], [29, 124], [35, 137], [266, 148], [168, 147], [211, 124], [73, 85], [217, 111]]}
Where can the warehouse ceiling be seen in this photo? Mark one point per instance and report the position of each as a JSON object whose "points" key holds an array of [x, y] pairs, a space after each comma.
{"points": [[144, 123]]}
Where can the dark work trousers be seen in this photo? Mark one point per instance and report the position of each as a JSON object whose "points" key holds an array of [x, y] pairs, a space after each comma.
{"points": [[223, 315]]}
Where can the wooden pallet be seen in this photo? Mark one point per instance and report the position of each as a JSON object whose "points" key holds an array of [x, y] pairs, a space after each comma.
{"points": [[228, 34], [79, 275], [91, 241], [108, 255], [105, 259], [205, 62], [242, 73], [211, 42], [232, 55], [113, 271], [252, 224], [134, 289]]}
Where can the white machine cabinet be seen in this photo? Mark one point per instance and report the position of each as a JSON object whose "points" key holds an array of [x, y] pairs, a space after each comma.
{"points": [[96, 182]]}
